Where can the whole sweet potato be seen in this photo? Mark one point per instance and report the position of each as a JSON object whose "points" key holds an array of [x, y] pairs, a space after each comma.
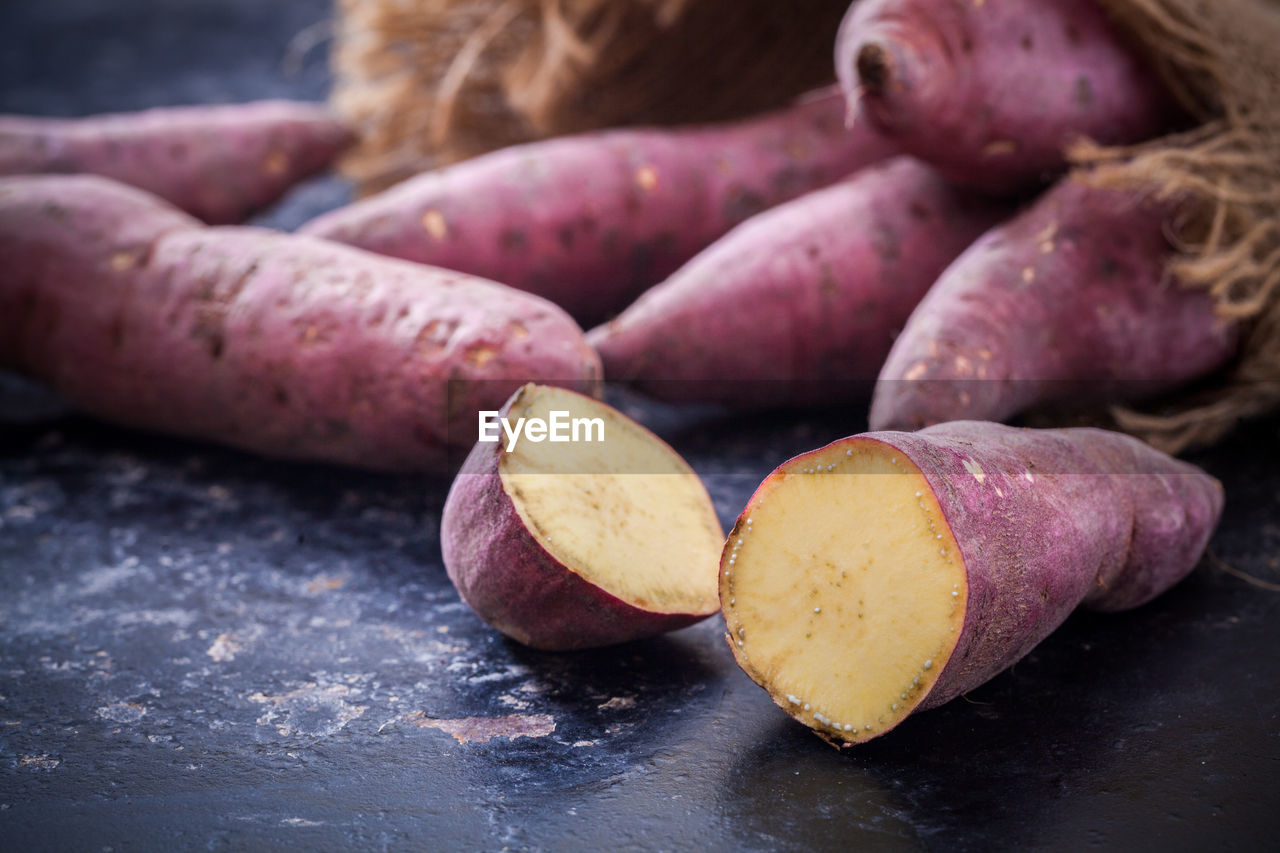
{"points": [[800, 304], [590, 221], [219, 163], [891, 572], [1069, 301], [991, 93], [276, 343]]}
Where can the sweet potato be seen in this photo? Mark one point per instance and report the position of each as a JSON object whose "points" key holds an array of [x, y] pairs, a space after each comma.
{"points": [[594, 541], [276, 343], [590, 221], [798, 305], [890, 572], [219, 163], [992, 93], [1069, 301]]}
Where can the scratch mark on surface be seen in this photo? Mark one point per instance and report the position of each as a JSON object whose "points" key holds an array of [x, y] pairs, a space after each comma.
{"points": [[108, 577], [500, 675], [122, 712], [309, 710], [481, 729], [43, 761]]}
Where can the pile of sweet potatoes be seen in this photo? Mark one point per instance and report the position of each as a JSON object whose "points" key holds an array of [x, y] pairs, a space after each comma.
{"points": [[915, 230]]}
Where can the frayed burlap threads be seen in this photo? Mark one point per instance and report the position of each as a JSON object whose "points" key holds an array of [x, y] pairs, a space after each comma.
{"points": [[419, 82], [1222, 59], [427, 82]]}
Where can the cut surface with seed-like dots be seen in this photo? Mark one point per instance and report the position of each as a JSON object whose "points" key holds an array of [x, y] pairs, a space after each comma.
{"points": [[626, 513], [847, 600]]}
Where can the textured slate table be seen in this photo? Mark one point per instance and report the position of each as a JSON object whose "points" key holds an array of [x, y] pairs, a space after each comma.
{"points": [[199, 649]]}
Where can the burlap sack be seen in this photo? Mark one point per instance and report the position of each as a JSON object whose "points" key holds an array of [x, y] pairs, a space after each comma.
{"points": [[1223, 59], [433, 81], [427, 82]]}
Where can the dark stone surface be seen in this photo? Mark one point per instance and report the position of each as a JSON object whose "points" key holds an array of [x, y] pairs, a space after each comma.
{"points": [[200, 649]]}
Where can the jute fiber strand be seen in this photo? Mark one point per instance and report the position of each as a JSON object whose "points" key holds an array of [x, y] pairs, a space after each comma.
{"points": [[1222, 58], [428, 82]]}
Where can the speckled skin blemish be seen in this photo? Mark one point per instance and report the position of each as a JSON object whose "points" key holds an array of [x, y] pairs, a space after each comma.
{"points": [[591, 221], [218, 163], [800, 305], [285, 345], [992, 94], [1105, 521], [1068, 302]]}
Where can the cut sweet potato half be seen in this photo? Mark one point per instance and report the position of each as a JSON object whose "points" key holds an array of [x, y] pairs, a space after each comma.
{"points": [[565, 545], [890, 572]]}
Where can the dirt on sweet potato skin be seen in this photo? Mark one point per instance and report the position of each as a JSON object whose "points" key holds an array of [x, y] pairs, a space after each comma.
{"points": [[590, 221], [220, 163], [800, 305], [276, 343], [1048, 520], [1069, 301], [992, 93]]}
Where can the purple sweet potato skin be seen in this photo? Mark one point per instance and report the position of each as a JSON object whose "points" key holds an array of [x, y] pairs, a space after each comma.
{"points": [[992, 93], [800, 304], [512, 582], [219, 163], [275, 343], [590, 221], [1068, 301], [1049, 519]]}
